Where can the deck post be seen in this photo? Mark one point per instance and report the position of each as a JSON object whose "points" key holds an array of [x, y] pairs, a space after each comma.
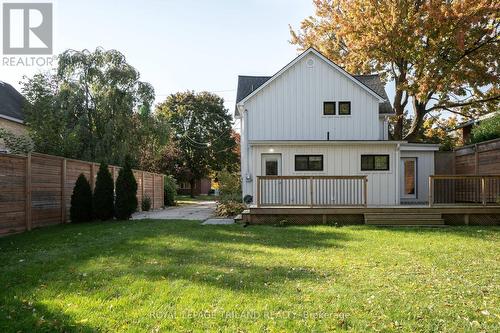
{"points": [[258, 191], [365, 191], [311, 191], [431, 191], [483, 190]]}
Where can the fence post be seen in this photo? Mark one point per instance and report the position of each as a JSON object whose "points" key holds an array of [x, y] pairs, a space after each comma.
{"points": [[365, 191], [92, 175], [483, 190], [28, 192], [311, 191], [431, 191], [153, 191], [258, 191], [63, 191], [142, 186]]}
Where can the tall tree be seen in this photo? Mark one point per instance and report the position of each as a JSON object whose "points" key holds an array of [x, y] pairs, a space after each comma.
{"points": [[442, 55], [201, 133], [87, 108]]}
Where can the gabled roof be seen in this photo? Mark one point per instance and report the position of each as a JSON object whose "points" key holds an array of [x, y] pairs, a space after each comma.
{"points": [[11, 103], [373, 82], [248, 85]]}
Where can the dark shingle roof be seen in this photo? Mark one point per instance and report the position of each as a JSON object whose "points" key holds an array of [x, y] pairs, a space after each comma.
{"points": [[11, 102], [373, 82], [247, 84]]}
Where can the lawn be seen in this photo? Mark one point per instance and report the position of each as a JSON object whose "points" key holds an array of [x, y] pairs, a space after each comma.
{"points": [[180, 276]]}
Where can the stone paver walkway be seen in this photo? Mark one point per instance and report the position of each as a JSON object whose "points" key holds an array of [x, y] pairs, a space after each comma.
{"points": [[201, 210], [219, 221]]}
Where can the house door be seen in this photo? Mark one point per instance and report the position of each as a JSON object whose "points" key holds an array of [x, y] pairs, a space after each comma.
{"points": [[271, 190], [408, 178]]}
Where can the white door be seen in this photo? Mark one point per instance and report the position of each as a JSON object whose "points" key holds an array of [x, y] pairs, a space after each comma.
{"points": [[408, 181], [271, 189]]}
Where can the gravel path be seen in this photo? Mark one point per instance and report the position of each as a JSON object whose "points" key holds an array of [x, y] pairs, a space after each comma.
{"points": [[201, 210]]}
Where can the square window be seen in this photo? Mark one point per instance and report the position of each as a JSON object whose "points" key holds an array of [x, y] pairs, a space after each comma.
{"points": [[329, 108], [374, 162], [308, 162], [344, 108]]}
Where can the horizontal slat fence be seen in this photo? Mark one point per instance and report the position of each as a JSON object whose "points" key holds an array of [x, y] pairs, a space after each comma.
{"points": [[312, 191], [35, 190]]}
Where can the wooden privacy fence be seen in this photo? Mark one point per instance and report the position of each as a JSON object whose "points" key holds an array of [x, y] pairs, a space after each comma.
{"points": [[464, 189], [312, 191], [479, 159], [35, 190]]}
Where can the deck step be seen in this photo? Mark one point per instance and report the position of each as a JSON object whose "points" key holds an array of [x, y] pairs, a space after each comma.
{"points": [[406, 222], [405, 216], [406, 219]]}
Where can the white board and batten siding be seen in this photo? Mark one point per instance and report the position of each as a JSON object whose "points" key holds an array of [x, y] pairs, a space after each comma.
{"points": [[425, 168], [338, 160], [291, 106]]}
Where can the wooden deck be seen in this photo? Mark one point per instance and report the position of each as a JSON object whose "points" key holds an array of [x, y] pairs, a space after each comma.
{"points": [[450, 214]]}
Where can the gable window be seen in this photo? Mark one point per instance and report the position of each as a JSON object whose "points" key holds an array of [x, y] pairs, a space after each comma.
{"points": [[344, 108], [308, 162], [329, 108], [374, 162]]}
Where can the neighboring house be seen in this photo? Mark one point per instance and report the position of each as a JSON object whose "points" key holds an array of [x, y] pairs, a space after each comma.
{"points": [[11, 111], [465, 129], [201, 187], [312, 118]]}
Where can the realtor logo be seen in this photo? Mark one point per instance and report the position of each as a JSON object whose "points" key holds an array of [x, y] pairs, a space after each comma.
{"points": [[27, 28]]}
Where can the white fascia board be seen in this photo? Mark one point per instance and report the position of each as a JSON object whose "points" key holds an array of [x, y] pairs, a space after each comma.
{"points": [[323, 142], [419, 147], [294, 61], [12, 119]]}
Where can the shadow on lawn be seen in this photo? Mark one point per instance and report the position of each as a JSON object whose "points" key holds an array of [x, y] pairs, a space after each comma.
{"points": [[230, 257], [480, 232]]}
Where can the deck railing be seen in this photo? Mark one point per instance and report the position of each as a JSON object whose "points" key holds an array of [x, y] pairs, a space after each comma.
{"points": [[464, 189], [312, 191]]}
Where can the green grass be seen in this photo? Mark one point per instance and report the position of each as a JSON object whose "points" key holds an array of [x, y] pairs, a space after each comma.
{"points": [[180, 276]]}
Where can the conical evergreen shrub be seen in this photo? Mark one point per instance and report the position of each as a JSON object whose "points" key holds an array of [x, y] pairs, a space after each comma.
{"points": [[81, 201], [104, 197], [126, 192]]}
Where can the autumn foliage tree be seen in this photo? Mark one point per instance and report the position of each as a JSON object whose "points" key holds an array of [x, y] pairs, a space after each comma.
{"points": [[441, 55]]}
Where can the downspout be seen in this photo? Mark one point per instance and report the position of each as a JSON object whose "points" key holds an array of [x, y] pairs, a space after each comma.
{"points": [[247, 176], [397, 166]]}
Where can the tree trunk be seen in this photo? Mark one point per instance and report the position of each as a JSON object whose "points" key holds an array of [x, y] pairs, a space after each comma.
{"points": [[191, 183], [417, 121], [400, 102]]}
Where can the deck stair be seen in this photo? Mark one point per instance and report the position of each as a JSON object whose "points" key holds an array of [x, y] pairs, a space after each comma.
{"points": [[404, 219]]}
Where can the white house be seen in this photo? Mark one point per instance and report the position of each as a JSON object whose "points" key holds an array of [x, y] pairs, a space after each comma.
{"points": [[313, 134]]}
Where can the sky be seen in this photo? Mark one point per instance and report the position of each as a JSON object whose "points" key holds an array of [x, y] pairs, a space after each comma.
{"points": [[180, 45]]}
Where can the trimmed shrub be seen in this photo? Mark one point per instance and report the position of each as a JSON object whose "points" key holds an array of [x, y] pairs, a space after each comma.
{"points": [[488, 129], [169, 191], [126, 192], [146, 203], [104, 195], [81, 201]]}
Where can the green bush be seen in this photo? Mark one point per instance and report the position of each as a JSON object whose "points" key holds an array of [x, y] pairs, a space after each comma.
{"points": [[229, 203], [126, 192], [169, 191], [81, 201], [104, 195], [488, 129], [229, 186], [146, 203]]}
